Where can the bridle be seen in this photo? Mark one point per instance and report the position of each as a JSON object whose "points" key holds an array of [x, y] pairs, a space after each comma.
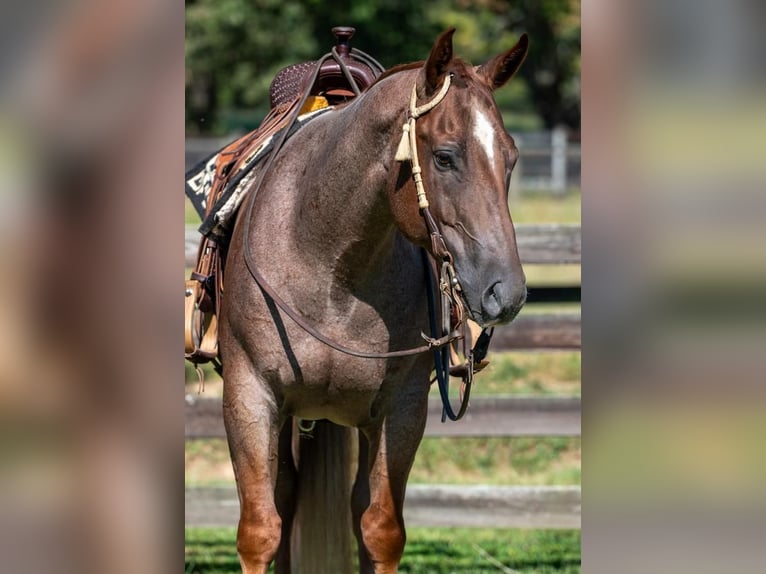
{"points": [[452, 310], [451, 293]]}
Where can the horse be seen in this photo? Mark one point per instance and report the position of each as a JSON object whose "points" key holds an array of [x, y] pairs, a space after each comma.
{"points": [[336, 229]]}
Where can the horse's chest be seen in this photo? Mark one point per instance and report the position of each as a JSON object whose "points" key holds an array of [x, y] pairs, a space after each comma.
{"points": [[345, 390]]}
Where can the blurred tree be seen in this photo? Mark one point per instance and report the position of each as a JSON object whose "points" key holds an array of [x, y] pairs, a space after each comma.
{"points": [[552, 68], [392, 31], [234, 48]]}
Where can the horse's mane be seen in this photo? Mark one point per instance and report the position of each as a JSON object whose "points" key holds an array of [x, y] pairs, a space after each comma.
{"points": [[456, 62], [399, 68]]}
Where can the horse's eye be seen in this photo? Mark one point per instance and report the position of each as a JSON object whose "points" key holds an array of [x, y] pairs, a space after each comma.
{"points": [[444, 160]]}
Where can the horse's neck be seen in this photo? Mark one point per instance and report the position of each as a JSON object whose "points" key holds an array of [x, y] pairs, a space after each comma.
{"points": [[343, 216]]}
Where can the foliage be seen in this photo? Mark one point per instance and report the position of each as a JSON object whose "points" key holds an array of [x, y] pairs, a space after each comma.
{"points": [[551, 71], [234, 48]]}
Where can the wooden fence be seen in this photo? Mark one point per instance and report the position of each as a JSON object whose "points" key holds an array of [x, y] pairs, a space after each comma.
{"points": [[462, 506]]}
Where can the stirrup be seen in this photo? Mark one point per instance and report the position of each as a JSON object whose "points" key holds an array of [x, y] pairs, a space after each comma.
{"points": [[200, 327]]}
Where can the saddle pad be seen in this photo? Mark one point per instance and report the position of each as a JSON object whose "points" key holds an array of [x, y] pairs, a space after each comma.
{"points": [[200, 179]]}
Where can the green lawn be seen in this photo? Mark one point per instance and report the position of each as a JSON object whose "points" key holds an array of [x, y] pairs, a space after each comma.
{"points": [[428, 551]]}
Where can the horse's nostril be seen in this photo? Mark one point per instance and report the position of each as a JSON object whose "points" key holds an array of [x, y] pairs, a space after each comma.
{"points": [[492, 300], [501, 302]]}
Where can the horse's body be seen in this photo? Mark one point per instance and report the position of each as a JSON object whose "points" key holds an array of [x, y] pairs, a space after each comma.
{"points": [[337, 232]]}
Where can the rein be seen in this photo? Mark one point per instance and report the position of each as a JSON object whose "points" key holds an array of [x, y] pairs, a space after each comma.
{"points": [[449, 285]]}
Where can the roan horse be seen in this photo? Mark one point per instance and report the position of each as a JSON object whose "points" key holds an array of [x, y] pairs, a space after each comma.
{"points": [[337, 231]]}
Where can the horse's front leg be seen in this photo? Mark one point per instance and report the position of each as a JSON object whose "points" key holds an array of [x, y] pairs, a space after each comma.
{"points": [[252, 427], [392, 448]]}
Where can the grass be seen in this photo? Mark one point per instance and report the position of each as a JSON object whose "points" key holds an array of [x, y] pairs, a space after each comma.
{"points": [[499, 461], [543, 207], [190, 216], [428, 551], [519, 461], [207, 463], [467, 551], [530, 373]]}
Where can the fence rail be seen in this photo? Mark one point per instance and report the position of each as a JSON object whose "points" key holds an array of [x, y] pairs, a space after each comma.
{"points": [[488, 416], [431, 506], [538, 244], [539, 331]]}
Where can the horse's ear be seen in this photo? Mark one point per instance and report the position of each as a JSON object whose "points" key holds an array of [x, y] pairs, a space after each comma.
{"points": [[497, 71], [438, 61]]}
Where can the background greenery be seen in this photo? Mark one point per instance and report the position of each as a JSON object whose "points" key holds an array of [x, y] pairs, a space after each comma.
{"points": [[235, 47]]}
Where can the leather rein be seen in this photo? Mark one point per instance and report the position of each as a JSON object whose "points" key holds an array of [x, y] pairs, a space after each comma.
{"points": [[452, 310]]}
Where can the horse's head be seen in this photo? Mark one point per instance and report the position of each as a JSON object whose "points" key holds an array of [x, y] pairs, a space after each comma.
{"points": [[466, 157]]}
